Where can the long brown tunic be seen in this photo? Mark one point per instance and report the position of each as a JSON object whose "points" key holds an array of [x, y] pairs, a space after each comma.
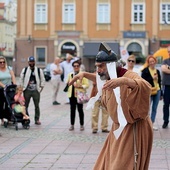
{"points": [[118, 154]]}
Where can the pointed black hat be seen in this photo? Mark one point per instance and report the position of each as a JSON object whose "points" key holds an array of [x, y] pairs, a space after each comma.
{"points": [[105, 54]]}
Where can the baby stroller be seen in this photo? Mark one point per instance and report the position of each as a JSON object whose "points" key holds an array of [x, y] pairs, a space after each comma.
{"points": [[15, 118]]}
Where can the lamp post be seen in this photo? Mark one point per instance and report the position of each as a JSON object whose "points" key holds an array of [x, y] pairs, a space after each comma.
{"points": [[29, 39]]}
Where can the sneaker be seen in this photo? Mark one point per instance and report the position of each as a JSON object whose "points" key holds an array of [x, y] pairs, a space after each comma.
{"points": [[165, 125], [38, 122], [56, 103], [105, 131], [81, 128], [71, 128], [94, 131], [155, 128]]}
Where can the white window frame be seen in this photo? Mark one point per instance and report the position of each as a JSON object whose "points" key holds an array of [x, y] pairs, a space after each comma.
{"points": [[166, 11], [138, 11], [42, 19], [103, 18], [69, 17]]}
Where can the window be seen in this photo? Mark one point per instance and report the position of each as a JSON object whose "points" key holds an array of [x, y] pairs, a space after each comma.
{"points": [[165, 13], [41, 13], [69, 13], [103, 13], [40, 55], [138, 13]]}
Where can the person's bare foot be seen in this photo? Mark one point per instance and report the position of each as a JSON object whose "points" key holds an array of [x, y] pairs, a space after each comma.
{"points": [[2, 122], [25, 117]]}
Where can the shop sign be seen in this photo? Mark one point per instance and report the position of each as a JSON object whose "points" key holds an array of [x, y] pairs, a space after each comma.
{"points": [[134, 34], [68, 47], [164, 43]]}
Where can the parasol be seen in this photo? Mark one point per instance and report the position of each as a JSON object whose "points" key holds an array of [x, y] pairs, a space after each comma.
{"points": [[162, 52]]}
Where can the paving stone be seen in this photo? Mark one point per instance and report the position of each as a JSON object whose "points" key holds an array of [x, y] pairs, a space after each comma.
{"points": [[52, 146]]}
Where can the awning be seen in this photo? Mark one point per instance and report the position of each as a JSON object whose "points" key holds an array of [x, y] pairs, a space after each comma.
{"points": [[91, 49]]}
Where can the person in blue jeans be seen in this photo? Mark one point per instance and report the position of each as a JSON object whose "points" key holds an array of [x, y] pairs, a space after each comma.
{"points": [[153, 76]]}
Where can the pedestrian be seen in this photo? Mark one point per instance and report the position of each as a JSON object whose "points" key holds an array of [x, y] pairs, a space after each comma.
{"points": [[6, 78], [82, 66], [32, 80], [67, 68], [96, 111], [55, 71], [126, 97], [62, 75], [166, 89], [153, 76], [72, 95], [131, 62], [19, 105]]}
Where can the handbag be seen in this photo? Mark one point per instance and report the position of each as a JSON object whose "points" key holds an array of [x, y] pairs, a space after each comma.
{"points": [[82, 97], [66, 88], [154, 91]]}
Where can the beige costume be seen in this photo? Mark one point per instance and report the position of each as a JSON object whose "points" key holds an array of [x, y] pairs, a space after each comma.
{"points": [[118, 154]]}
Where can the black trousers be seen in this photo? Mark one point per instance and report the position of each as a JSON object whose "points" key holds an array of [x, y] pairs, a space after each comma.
{"points": [[73, 104], [4, 110], [166, 100]]}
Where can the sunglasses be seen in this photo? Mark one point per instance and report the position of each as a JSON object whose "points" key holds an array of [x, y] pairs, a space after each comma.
{"points": [[76, 66], [131, 61], [2, 62]]}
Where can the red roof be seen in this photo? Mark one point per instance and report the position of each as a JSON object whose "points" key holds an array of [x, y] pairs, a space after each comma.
{"points": [[2, 5], [1, 17]]}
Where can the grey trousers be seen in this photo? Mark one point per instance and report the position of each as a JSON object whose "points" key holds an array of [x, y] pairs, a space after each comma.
{"points": [[35, 95]]}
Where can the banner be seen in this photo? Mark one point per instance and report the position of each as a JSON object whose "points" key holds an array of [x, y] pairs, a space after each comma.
{"points": [[124, 54]]}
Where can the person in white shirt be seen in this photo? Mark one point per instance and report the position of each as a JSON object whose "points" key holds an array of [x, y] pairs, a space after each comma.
{"points": [[55, 71], [82, 66], [32, 80], [68, 68]]}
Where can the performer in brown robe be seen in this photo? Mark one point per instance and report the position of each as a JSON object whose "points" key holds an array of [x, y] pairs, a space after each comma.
{"points": [[132, 149]]}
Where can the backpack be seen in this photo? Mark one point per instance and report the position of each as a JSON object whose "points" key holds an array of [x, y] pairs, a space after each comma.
{"points": [[38, 72]]}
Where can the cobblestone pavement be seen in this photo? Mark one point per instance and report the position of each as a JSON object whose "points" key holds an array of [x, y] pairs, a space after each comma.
{"points": [[52, 146]]}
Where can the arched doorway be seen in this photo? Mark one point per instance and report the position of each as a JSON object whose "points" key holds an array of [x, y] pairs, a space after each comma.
{"points": [[136, 49], [68, 47]]}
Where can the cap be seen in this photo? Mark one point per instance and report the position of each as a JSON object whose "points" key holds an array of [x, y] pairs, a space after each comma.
{"points": [[31, 58], [105, 54]]}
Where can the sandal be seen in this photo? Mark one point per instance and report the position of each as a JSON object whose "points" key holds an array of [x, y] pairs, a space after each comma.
{"points": [[2, 122]]}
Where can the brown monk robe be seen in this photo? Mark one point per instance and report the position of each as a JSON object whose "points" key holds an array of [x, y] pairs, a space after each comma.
{"points": [[137, 136]]}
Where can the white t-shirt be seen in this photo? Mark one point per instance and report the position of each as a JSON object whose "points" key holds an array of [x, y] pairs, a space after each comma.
{"points": [[136, 69], [67, 68], [52, 68]]}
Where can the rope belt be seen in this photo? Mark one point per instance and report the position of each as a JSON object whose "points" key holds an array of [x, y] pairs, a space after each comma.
{"points": [[135, 147]]}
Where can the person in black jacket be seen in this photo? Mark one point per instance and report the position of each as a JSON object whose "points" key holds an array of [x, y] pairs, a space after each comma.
{"points": [[153, 76]]}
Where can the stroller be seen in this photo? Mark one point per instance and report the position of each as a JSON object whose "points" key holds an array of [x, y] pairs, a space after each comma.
{"points": [[9, 93]]}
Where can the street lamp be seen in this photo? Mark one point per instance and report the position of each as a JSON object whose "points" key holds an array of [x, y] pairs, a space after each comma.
{"points": [[29, 39], [154, 39]]}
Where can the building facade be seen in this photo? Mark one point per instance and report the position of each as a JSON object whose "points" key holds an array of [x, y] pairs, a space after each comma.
{"points": [[8, 29], [49, 28]]}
